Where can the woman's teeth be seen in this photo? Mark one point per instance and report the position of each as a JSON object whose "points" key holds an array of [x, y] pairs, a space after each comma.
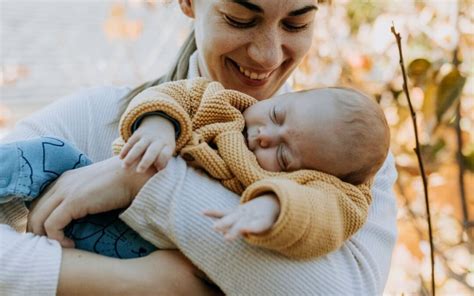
{"points": [[253, 75]]}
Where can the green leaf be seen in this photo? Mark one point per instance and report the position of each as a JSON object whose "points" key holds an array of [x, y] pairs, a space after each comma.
{"points": [[468, 161], [430, 151], [418, 67], [449, 92]]}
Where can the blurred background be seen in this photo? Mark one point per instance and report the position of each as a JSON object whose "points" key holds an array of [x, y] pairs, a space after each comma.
{"points": [[49, 49]]}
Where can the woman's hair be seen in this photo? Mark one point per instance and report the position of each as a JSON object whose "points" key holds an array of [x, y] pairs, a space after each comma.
{"points": [[178, 71]]}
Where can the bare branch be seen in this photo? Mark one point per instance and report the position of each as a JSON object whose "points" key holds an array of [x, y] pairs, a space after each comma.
{"points": [[419, 156]]}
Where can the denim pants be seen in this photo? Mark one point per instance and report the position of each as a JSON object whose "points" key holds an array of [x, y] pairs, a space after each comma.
{"points": [[28, 167]]}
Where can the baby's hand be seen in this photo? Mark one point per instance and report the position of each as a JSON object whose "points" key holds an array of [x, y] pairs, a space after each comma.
{"points": [[153, 143], [255, 216]]}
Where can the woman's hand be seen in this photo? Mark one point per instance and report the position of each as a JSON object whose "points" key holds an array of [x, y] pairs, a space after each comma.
{"points": [[93, 189]]}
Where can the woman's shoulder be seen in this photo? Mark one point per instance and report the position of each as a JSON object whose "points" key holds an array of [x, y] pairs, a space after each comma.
{"points": [[99, 94]]}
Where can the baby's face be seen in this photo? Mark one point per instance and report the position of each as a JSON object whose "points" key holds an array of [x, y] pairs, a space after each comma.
{"points": [[292, 131]]}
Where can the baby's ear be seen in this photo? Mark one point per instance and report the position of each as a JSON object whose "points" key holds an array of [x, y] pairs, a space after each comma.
{"points": [[187, 7]]}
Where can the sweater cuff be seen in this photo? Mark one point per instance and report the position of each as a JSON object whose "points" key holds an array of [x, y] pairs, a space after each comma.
{"points": [[177, 128], [171, 109], [36, 259], [295, 212]]}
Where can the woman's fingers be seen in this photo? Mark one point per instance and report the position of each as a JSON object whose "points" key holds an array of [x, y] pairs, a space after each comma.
{"points": [[57, 221], [136, 151], [41, 211]]}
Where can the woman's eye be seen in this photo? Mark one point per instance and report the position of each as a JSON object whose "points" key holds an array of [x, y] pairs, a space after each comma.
{"points": [[294, 27], [239, 23]]}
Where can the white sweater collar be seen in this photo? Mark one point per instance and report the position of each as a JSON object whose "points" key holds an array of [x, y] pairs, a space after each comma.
{"points": [[193, 72]]}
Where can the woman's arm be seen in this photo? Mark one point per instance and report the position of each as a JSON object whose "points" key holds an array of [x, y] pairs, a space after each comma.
{"points": [[173, 200], [160, 273], [32, 263]]}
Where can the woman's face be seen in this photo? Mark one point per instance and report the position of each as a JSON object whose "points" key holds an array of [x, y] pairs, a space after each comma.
{"points": [[251, 45]]}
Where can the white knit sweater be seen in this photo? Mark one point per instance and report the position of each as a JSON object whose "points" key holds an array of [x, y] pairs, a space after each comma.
{"points": [[168, 213]]}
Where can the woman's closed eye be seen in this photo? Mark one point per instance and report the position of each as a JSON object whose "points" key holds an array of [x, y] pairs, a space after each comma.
{"points": [[239, 23], [293, 27]]}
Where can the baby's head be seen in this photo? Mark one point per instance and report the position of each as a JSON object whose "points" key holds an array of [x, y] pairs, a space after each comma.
{"points": [[339, 131]]}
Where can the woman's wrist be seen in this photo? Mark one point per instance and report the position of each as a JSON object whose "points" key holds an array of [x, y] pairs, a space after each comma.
{"points": [[132, 180], [137, 180]]}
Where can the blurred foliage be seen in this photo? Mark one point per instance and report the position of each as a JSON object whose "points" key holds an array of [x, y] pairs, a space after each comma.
{"points": [[353, 46], [360, 11]]}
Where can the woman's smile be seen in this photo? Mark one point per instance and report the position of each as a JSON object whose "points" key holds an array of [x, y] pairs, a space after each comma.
{"points": [[248, 76]]}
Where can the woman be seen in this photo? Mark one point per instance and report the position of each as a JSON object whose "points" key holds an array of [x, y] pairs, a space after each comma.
{"points": [[251, 46]]}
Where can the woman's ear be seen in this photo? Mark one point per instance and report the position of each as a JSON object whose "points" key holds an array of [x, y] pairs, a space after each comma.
{"points": [[187, 7]]}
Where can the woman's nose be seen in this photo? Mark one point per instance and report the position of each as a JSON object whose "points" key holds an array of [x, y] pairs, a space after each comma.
{"points": [[266, 50]]}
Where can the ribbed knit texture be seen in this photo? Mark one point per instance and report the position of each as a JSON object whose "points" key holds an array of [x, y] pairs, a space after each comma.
{"points": [[29, 264], [166, 208], [318, 211]]}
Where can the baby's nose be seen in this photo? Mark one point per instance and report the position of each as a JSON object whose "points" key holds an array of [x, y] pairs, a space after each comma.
{"points": [[265, 138]]}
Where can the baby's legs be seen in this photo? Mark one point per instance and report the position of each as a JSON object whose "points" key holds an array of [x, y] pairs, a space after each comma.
{"points": [[107, 235], [28, 167]]}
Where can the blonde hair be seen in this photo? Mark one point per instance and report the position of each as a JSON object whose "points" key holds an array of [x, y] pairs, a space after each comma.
{"points": [[178, 71]]}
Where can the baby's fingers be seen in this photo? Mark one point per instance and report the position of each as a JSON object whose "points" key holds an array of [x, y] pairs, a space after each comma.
{"points": [[222, 225], [235, 231], [215, 213], [151, 154], [126, 148], [162, 160], [137, 150], [255, 226]]}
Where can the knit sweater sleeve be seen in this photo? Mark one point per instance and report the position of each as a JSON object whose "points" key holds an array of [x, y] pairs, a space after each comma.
{"points": [[315, 218], [172, 202], [178, 99]]}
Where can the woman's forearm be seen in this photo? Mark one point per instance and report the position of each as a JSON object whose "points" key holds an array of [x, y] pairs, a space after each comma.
{"points": [[160, 273], [171, 204]]}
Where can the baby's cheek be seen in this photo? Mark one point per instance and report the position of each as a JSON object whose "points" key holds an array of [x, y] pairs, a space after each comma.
{"points": [[267, 159]]}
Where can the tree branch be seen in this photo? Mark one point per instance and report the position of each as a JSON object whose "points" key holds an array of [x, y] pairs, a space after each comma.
{"points": [[419, 156]]}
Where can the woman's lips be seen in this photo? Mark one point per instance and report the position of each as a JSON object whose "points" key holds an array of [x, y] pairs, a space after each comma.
{"points": [[241, 74]]}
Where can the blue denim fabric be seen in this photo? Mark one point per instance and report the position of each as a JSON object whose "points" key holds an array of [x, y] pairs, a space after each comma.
{"points": [[107, 235], [28, 167]]}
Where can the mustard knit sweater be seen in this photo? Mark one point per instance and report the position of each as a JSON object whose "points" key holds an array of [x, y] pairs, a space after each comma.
{"points": [[310, 223]]}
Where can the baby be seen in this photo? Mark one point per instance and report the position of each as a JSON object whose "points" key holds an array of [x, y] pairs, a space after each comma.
{"points": [[291, 202], [281, 154]]}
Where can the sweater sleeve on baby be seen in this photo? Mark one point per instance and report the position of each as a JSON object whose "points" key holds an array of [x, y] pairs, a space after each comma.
{"points": [[179, 100], [315, 219]]}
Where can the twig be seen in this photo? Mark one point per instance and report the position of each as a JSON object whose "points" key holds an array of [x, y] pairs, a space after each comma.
{"points": [[412, 216], [419, 156]]}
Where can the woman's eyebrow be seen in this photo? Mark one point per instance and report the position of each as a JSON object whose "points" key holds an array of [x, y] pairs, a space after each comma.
{"points": [[303, 10], [248, 5]]}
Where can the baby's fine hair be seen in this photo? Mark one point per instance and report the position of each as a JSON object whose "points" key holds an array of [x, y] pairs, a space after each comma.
{"points": [[365, 134]]}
